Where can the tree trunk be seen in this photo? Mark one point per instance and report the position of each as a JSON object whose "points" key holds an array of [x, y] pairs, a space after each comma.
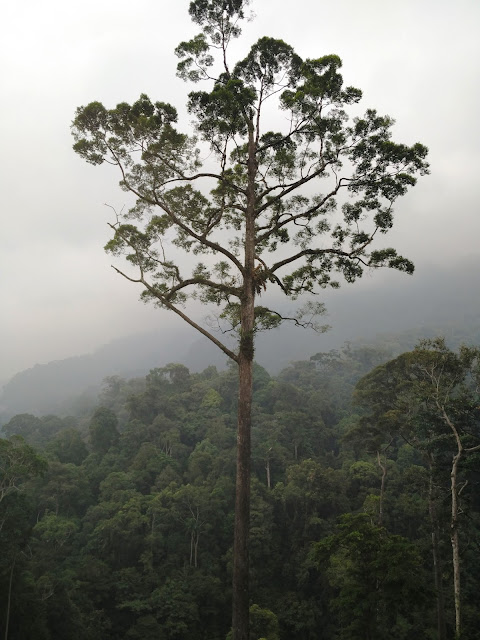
{"points": [[240, 582], [241, 603], [454, 521], [267, 467], [455, 543]]}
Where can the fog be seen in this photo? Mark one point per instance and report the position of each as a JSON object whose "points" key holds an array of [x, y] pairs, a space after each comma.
{"points": [[415, 61]]}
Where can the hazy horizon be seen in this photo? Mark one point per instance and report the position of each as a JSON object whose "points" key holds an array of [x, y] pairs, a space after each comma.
{"points": [[382, 303], [415, 61]]}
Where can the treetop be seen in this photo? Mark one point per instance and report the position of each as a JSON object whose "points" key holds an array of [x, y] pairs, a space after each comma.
{"points": [[312, 189]]}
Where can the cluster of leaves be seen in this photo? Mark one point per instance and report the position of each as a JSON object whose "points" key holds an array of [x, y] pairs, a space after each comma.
{"points": [[121, 526]]}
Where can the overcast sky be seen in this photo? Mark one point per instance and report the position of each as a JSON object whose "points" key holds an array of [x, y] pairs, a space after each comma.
{"points": [[417, 60]]}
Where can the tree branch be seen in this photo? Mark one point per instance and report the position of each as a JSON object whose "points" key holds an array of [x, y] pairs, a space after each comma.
{"points": [[166, 303], [310, 252]]}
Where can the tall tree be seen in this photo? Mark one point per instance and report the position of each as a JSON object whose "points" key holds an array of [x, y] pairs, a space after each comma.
{"points": [[448, 387], [430, 396], [261, 212]]}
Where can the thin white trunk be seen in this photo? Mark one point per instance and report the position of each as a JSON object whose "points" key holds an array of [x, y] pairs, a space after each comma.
{"points": [[455, 543], [454, 522]]}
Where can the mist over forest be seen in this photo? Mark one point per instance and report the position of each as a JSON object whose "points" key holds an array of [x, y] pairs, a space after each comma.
{"points": [[133, 488], [435, 301], [127, 458]]}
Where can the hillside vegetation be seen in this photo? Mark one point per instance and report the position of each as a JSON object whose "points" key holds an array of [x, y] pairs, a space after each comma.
{"points": [[119, 525]]}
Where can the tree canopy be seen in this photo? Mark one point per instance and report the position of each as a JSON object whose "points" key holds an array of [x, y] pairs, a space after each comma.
{"points": [[135, 539], [312, 194]]}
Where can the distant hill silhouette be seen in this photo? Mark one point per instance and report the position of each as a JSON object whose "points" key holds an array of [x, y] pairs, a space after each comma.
{"points": [[397, 312], [52, 387]]}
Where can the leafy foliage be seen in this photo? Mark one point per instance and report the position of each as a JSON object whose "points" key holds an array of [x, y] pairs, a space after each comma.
{"points": [[324, 183], [135, 541]]}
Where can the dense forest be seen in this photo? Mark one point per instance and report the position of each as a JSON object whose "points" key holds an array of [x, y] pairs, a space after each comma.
{"points": [[365, 504]]}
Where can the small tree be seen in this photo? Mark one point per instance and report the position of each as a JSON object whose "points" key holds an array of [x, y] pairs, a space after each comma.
{"points": [[103, 430], [18, 463], [376, 578], [267, 212]]}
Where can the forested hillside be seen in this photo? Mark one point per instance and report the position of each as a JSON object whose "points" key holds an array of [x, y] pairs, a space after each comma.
{"points": [[119, 525], [71, 386]]}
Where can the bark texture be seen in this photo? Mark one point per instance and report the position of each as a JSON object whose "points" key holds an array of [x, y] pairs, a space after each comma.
{"points": [[455, 544], [240, 614], [240, 583]]}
